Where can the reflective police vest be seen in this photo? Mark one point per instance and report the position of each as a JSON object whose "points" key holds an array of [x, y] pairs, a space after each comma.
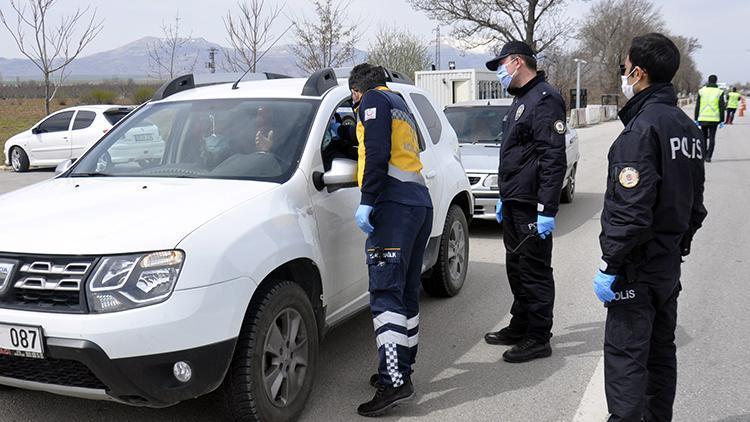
{"points": [[734, 100], [709, 109]]}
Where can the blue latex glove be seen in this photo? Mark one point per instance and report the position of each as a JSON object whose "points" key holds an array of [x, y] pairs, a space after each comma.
{"points": [[697, 123], [721, 125], [603, 286], [544, 225], [499, 211], [363, 218]]}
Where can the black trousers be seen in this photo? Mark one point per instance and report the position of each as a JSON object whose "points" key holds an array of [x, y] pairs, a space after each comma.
{"points": [[730, 115], [529, 272], [640, 363], [709, 134]]}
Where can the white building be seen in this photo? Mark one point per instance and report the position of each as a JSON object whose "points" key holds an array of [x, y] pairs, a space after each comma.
{"points": [[453, 86]]}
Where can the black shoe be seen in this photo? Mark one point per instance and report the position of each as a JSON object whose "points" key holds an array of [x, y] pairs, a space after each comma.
{"points": [[375, 379], [505, 337], [386, 398], [528, 349]]}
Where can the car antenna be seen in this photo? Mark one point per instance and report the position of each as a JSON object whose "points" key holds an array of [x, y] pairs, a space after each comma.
{"points": [[237, 82]]}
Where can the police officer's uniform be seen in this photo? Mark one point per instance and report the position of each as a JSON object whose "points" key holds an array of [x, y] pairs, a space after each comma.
{"points": [[653, 206], [530, 177], [709, 112], [390, 180]]}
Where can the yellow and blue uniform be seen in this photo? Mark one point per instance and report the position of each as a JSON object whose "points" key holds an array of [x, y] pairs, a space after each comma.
{"points": [[390, 179]]}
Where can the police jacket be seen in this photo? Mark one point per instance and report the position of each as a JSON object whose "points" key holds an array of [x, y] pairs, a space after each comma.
{"points": [[654, 200], [532, 158], [389, 167]]}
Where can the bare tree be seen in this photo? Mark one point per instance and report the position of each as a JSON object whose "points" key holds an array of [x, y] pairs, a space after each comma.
{"points": [[52, 47], [327, 41], [399, 50], [688, 78], [250, 33], [169, 56], [539, 23]]}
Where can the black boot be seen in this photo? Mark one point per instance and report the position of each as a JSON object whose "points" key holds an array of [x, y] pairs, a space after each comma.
{"points": [[387, 397], [505, 337], [528, 349]]}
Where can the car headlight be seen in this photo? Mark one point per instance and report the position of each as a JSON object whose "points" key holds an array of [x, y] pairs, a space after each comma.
{"points": [[132, 281], [490, 181]]}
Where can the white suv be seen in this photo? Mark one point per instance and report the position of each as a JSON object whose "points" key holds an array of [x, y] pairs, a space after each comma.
{"points": [[218, 266], [64, 135]]}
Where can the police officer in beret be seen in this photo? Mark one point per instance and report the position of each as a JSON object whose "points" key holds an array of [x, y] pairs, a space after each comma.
{"points": [[530, 177], [652, 208]]}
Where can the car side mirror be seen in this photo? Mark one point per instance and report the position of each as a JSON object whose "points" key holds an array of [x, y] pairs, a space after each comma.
{"points": [[35, 130], [63, 167], [343, 174]]}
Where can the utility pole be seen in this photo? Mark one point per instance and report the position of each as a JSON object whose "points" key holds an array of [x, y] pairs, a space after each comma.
{"points": [[437, 47], [578, 81], [211, 65]]}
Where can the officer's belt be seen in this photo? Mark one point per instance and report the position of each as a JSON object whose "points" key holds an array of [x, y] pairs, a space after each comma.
{"points": [[405, 176]]}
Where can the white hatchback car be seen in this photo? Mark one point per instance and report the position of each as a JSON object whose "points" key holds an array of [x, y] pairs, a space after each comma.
{"points": [[220, 265], [63, 135]]}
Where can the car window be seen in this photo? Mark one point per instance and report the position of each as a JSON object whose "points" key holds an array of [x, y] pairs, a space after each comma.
{"points": [[57, 123], [258, 139], [429, 116], [481, 124], [340, 137], [84, 119]]}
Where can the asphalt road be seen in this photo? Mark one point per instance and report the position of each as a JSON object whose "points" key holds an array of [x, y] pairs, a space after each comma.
{"points": [[458, 377]]}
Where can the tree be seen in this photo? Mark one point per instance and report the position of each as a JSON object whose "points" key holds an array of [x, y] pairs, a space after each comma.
{"points": [[250, 33], [168, 57], [688, 78], [327, 42], [539, 23], [398, 50], [52, 47]]}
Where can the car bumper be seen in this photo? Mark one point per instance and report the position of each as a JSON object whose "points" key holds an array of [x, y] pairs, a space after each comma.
{"points": [[80, 368], [484, 204]]}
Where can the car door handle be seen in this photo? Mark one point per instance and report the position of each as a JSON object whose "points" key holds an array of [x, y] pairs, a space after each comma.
{"points": [[431, 174]]}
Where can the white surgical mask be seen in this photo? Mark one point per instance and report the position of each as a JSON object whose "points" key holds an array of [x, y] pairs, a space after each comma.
{"points": [[628, 89]]}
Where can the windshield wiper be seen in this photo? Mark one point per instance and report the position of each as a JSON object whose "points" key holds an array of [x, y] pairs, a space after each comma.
{"points": [[91, 174], [487, 141]]}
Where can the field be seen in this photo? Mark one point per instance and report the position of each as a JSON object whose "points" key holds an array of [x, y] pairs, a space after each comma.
{"points": [[17, 115]]}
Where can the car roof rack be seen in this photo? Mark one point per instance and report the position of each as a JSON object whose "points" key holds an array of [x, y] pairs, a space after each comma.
{"points": [[187, 82], [320, 82], [397, 77]]}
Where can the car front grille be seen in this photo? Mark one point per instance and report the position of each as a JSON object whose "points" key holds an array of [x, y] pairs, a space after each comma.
{"points": [[67, 373], [473, 180], [46, 284]]}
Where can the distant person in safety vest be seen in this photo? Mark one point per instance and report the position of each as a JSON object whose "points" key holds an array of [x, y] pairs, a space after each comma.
{"points": [[732, 104], [709, 113]]}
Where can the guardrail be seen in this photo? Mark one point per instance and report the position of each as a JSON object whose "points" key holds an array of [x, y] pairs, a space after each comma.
{"points": [[595, 114]]}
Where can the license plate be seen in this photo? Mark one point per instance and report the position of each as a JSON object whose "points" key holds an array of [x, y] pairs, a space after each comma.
{"points": [[144, 138], [21, 340]]}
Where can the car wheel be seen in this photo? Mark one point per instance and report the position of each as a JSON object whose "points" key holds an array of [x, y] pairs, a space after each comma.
{"points": [[570, 188], [271, 374], [19, 160], [449, 273]]}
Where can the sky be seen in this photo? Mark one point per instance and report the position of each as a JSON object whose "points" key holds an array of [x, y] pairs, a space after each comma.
{"points": [[725, 52]]}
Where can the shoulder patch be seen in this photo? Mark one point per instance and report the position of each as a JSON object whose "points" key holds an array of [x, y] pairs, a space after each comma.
{"points": [[629, 177], [559, 127], [371, 114], [520, 110]]}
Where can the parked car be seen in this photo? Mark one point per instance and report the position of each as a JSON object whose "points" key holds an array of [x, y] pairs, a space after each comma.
{"points": [[478, 125], [63, 135], [218, 268]]}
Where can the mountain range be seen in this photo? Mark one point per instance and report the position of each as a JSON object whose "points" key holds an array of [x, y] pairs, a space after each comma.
{"points": [[132, 61]]}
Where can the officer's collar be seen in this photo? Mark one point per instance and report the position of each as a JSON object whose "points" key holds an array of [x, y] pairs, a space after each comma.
{"points": [[382, 88], [519, 92], [659, 93]]}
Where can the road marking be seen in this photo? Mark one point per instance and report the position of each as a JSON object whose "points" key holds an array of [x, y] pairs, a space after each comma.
{"points": [[593, 406]]}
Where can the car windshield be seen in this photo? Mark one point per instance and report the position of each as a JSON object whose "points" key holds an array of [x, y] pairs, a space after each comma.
{"points": [[255, 139], [481, 124]]}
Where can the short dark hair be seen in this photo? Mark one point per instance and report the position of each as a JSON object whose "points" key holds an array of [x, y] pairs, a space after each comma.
{"points": [[734, 89], [657, 55], [713, 79], [366, 76], [528, 60]]}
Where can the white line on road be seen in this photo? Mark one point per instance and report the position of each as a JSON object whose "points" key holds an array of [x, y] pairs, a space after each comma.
{"points": [[593, 407]]}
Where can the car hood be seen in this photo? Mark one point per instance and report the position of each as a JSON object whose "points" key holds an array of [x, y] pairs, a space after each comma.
{"points": [[480, 158], [98, 216]]}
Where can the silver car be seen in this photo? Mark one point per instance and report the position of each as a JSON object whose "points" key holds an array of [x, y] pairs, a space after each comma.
{"points": [[478, 125]]}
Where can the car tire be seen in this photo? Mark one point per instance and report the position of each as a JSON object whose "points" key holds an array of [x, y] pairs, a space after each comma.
{"points": [[19, 160], [569, 190], [449, 273], [246, 394]]}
